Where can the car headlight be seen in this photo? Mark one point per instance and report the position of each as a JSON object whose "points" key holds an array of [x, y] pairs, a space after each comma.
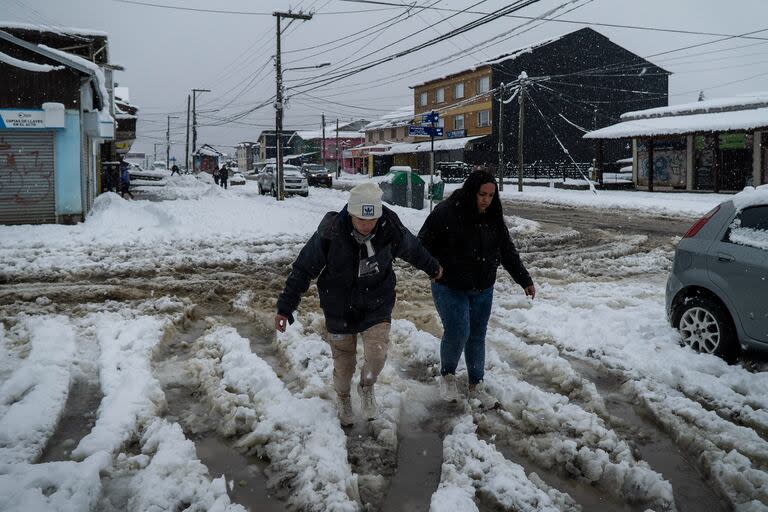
{"points": [[330, 175]]}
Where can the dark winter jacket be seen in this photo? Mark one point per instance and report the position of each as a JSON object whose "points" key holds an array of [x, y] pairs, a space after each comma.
{"points": [[351, 303], [469, 246], [224, 173], [125, 175]]}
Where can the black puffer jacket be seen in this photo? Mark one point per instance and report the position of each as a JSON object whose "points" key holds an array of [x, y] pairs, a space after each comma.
{"points": [[469, 246], [352, 304]]}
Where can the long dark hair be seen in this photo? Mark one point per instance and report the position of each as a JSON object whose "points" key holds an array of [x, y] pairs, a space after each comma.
{"points": [[466, 196]]}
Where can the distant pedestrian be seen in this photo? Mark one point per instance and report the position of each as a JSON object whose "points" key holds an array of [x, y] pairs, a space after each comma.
{"points": [[125, 180], [223, 176], [468, 236], [351, 256], [175, 170], [216, 175]]}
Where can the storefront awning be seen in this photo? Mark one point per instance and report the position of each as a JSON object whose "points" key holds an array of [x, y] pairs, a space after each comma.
{"points": [[734, 121], [440, 145]]}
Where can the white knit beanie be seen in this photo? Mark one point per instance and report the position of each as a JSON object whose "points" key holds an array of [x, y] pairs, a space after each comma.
{"points": [[365, 201]]}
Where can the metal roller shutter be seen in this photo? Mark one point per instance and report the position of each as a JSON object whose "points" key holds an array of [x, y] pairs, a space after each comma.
{"points": [[27, 187]]}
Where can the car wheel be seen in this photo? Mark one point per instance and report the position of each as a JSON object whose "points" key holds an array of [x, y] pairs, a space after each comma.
{"points": [[304, 194], [706, 326]]}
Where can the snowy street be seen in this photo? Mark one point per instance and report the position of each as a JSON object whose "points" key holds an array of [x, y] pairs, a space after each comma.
{"points": [[139, 370]]}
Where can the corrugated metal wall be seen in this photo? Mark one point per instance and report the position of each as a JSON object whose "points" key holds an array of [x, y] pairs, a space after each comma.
{"points": [[27, 187]]}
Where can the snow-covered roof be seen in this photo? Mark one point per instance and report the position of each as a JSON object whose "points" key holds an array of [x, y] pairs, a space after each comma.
{"points": [[329, 134], [440, 145], [96, 71], [53, 28], [400, 117], [740, 120], [208, 151], [28, 66], [742, 102], [512, 55]]}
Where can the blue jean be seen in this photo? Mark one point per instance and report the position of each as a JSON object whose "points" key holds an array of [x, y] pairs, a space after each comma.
{"points": [[465, 317]]}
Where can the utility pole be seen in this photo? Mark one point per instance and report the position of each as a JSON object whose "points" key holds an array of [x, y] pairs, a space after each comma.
{"points": [[433, 115], [279, 99], [155, 153], [501, 137], [194, 117], [336, 156], [521, 125], [168, 141], [322, 150], [186, 145]]}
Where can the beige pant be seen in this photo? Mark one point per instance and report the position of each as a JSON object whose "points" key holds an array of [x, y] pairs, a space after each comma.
{"points": [[344, 347]]}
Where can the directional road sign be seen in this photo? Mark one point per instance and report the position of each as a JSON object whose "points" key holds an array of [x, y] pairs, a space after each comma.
{"points": [[431, 117], [425, 131]]}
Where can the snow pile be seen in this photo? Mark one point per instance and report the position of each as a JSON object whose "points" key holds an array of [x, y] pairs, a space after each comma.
{"points": [[309, 356], [751, 196], [33, 397], [714, 411], [132, 395], [750, 237], [172, 478], [300, 436], [471, 465], [56, 486]]}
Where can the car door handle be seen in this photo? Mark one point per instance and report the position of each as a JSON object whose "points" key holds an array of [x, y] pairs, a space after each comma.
{"points": [[727, 258]]}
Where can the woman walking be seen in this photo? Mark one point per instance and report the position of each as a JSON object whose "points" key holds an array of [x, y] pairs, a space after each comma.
{"points": [[467, 235]]}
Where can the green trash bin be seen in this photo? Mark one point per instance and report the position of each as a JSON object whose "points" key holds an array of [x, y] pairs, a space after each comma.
{"points": [[437, 190], [395, 188]]}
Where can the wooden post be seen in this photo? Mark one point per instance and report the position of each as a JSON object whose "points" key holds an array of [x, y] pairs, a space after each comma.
{"points": [[650, 164], [716, 164], [521, 125], [501, 137], [600, 158]]}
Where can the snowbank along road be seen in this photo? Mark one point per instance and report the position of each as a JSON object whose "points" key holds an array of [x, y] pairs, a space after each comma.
{"points": [[139, 370]]}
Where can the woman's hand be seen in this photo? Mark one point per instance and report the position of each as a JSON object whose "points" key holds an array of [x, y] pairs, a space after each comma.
{"points": [[280, 322], [530, 291]]}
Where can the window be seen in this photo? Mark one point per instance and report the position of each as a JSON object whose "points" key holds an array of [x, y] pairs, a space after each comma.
{"points": [[423, 99], [393, 133], [381, 134], [458, 122], [458, 91], [750, 228], [484, 84], [484, 118], [440, 95]]}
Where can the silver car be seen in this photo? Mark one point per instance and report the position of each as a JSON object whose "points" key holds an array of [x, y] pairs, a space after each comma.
{"points": [[717, 292], [294, 181]]}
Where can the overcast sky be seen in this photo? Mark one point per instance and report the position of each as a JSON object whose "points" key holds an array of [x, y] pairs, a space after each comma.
{"points": [[167, 52]]}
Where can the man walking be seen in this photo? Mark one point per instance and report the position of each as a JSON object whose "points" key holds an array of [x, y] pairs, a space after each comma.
{"points": [[223, 176], [352, 253]]}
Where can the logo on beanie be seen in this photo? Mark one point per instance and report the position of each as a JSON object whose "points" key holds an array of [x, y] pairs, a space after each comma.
{"points": [[368, 210]]}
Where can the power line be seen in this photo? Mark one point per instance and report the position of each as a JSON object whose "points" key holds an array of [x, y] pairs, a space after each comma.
{"points": [[251, 13], [576, 22]]}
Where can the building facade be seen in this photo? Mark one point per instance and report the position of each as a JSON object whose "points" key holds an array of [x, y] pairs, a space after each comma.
{"points": [[56, 123], [576, 81]]}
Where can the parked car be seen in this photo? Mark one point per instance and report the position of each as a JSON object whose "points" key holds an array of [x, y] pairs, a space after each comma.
{"points": [[717, 292], [293, 181], [237, 178], [317, 175], [144, 177]]}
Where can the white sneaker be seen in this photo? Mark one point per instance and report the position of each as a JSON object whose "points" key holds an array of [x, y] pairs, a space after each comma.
{"points": [[346, 416], [448, 390], [370, 407], [479, 393]]}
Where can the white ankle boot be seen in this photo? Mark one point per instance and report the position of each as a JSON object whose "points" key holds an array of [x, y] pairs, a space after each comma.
{"points": [[448, 390], [479, 393], [370, 407], [346, 416]]}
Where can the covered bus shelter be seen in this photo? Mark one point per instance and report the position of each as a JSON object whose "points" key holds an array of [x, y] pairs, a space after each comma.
{"points": [[714, 145]]}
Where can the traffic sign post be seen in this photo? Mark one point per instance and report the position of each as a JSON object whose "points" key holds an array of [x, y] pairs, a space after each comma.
{"points": [[425, 131]]}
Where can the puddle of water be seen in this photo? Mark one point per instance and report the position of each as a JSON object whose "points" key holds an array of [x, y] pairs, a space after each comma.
{"points": [[247, 473], [419, 460], [691, 490], [76, 421]]}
